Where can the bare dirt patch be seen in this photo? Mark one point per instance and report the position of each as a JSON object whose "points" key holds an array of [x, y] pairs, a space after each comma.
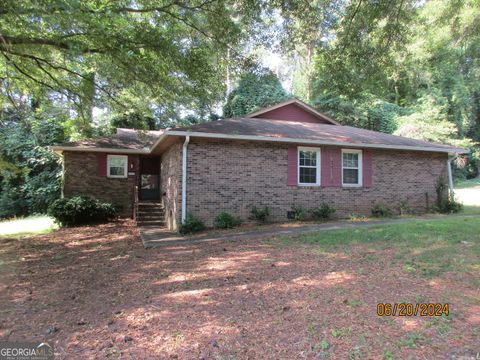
{"points": [[95, 292]]}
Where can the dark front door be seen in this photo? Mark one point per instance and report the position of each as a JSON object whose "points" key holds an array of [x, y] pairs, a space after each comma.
{"points": [[149, 179]]}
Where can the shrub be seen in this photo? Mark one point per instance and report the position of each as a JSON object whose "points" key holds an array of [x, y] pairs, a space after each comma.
{"points": [[404, 208], [441, 190], [298, 213], [191, 225], [381, 210], [449, 206], [260, 214], [81, 210], [445, 203], [226, 221], [323, 212]]}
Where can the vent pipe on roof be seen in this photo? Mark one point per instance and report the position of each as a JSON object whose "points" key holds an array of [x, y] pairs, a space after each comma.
{"points": [[184, 179]]}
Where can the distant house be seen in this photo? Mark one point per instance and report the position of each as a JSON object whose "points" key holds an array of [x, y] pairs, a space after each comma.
{"points": [[284, 155]]}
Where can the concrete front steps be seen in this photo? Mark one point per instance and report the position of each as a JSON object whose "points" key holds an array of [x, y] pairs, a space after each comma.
{"points": [[150, 213]]}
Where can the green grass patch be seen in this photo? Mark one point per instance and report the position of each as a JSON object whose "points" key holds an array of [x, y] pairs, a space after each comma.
{"points": [[471, 209], [426, 248], [465, 184], [33, 225]]}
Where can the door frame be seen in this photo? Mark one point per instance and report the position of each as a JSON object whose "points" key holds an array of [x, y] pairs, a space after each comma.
{"points": [[143, 170]]}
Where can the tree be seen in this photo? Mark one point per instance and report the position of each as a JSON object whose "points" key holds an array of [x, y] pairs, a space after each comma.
{"points": [[256, 89], [133, 121], [30, 174], [122, 54]]}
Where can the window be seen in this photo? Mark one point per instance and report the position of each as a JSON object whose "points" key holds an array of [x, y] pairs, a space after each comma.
{"points": [[117, 166], [308, 166], [351, 167]]}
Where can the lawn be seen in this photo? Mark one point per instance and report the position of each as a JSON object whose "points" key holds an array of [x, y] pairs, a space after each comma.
{"points": [[468, 193], [94, 292], [29, 225]]}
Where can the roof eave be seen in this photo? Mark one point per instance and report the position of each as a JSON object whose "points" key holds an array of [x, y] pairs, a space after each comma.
{"points": [[61, 149], [452, 151]]}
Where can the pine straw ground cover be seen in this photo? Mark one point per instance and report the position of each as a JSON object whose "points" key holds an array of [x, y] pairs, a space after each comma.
{"points": [[94, 292]]}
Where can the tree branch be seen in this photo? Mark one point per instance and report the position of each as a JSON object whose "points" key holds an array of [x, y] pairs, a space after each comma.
{"points": [[12, 40]]}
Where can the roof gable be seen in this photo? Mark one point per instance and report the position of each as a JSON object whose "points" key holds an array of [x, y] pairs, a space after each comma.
{"points": [[293, 110]]}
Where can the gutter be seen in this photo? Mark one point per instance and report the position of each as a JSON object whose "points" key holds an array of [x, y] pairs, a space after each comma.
{"points": [[184, 178], [450, 177]]}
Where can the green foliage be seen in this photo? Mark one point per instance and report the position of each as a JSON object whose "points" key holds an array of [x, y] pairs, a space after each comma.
{"points": [[445, 202], [427, 120], [30, 173], [81, 210], [381, 210], [365, 111], [122, 54], [323, 212], [256, 89], [299, 213], [133, 121], [416, 74], [191, 225], [466, 167], [225, 220], [404, 208], [261, 214]]}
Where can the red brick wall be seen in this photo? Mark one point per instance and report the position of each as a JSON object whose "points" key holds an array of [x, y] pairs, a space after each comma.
{"points": [[171, 184], [234, 176], [82, 178]]}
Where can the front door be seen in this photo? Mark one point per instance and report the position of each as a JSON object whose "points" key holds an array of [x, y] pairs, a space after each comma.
{"points": [[149, 179]]}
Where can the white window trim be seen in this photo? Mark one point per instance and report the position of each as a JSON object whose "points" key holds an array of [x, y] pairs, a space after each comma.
{"points": [[110, 157], [317, 150], [360, 167]]}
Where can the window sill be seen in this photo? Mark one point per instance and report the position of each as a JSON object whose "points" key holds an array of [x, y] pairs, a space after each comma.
{"points": [[350, 186]]}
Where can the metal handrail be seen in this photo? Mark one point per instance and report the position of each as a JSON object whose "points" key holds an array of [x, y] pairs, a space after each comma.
{"points": [[135, 202]]}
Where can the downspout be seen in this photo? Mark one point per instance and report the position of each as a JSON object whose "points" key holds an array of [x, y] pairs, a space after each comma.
{"points": [[450, 177], [184, 179]]}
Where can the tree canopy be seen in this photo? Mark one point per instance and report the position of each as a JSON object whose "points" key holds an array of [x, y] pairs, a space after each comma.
{"points": [[256, 89]]}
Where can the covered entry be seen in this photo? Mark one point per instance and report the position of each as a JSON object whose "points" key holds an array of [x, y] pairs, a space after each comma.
{"points": [[149, 186]]}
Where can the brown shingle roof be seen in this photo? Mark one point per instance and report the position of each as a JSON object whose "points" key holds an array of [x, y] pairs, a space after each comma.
{"points": [[139, 141], [124, 139], [309, 131]]}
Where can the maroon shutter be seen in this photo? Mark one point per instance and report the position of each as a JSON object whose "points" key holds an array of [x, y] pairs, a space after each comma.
{"points": [[326, 167], [336, 156], [101, 164], [292, 166], [367, 169]]}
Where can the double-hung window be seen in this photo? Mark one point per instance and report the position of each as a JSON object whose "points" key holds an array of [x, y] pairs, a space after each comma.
{"points": [[351, 168], [309, 166], [117, 166]]}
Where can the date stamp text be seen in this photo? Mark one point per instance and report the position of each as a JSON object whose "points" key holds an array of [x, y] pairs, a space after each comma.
{"points": [[410, 309]]}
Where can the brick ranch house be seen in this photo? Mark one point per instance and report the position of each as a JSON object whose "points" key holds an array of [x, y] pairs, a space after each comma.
{"points": [[282, 156]]}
